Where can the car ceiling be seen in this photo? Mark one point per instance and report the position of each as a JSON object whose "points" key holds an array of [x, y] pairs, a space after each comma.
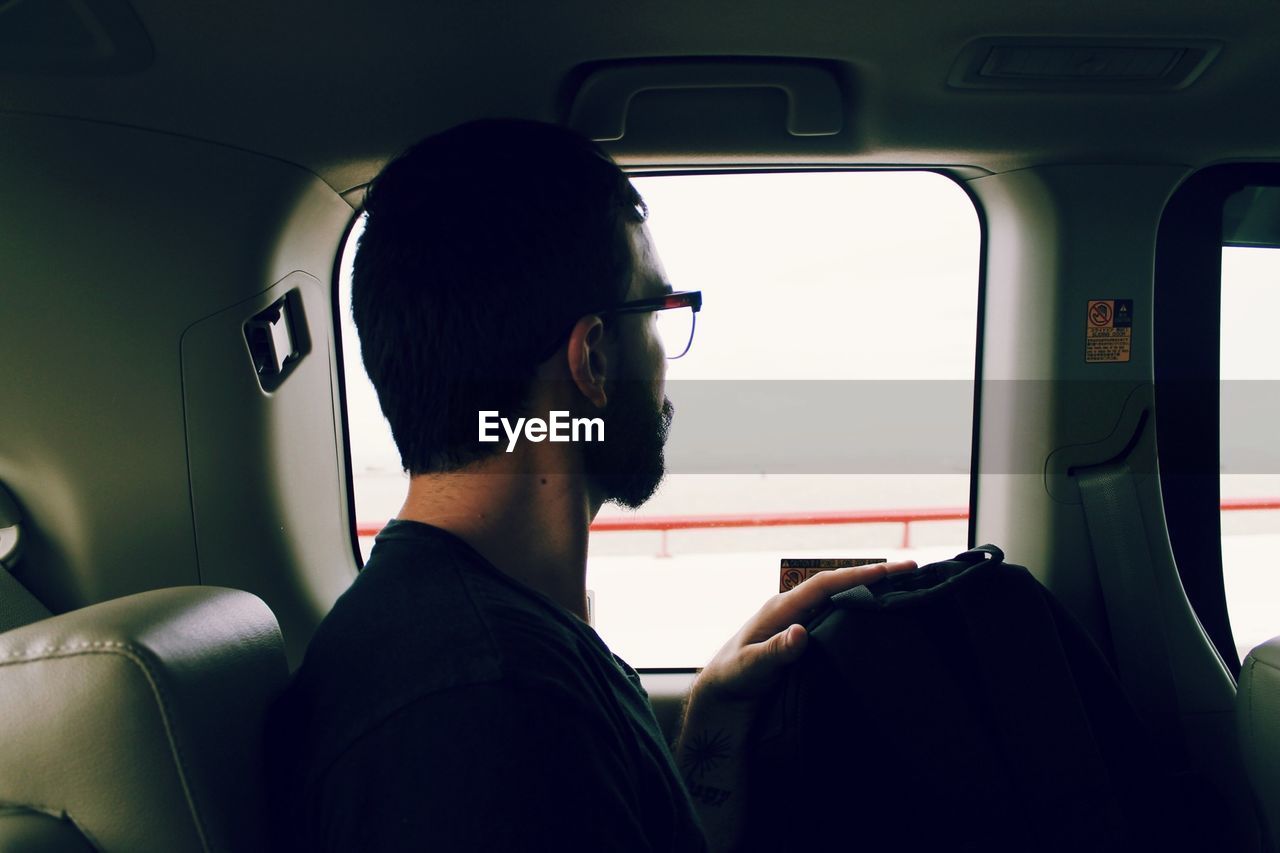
{"points": [[338, 88]]}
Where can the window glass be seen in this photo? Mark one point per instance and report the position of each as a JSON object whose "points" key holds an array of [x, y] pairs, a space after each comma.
{"points": [[1250, 474], [824, 408]]}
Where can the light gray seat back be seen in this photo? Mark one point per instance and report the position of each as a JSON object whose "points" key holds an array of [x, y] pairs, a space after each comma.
{"points": [[26, 831], [1258, 724], [139, 721]]}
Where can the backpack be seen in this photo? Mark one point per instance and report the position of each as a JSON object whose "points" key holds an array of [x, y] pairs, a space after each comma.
{"points": [[957, 707]]}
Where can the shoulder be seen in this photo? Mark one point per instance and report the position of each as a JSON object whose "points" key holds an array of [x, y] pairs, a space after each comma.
{"points": [[427, 619], [408, 625]]}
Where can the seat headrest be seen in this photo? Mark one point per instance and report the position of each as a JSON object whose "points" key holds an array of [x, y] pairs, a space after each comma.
{"points": [[140, 719]]}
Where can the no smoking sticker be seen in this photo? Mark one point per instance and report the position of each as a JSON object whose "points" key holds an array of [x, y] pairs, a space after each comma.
{"points": [[1108, 330], [797, 571]]}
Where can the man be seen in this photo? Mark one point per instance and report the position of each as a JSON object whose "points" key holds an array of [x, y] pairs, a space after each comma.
{"points": [[455, 698]]}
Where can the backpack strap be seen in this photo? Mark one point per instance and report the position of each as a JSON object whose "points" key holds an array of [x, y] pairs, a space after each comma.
{"points": [[927, 576]]}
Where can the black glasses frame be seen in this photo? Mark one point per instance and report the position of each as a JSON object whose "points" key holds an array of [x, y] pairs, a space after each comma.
{"points": [[678, 299]]}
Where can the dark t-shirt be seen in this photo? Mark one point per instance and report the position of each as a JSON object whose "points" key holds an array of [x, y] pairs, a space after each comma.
{"points": [[444, 706]]}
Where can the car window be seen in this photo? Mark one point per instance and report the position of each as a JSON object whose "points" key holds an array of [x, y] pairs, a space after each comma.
{"points": [[824, 408], [1250, 479]]}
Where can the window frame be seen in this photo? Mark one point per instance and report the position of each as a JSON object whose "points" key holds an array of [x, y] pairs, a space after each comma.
{"points": [[958, 175], [1188, 268], [340, 393]]}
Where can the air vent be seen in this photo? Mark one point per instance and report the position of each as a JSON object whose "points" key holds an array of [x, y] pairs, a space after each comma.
{"points": [[72, 37], [1082, 64]]}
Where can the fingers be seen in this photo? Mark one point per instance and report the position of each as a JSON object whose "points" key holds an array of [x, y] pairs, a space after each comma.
{"points": [[815, 591], [798, 604], [774, 637], [795, 639], [759, 664], [782, 648]]}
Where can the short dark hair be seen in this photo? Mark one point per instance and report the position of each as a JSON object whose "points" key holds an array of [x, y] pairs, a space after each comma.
{"points": [[482, 245]]}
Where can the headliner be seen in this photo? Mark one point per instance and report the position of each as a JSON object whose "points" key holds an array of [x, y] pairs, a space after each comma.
{"points": [[339, 88]]}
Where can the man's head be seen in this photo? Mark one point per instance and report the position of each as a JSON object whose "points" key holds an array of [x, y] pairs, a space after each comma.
{"points": [[491, 254]]}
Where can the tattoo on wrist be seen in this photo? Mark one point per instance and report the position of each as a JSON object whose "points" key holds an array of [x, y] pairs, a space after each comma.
{"points": [[708, 795], [704, 752]]}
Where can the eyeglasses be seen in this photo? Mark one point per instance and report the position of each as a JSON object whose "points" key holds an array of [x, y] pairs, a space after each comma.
{"points": [[676, 316]]}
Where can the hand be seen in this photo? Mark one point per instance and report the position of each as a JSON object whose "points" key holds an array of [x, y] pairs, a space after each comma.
{"points": [[712, 743], [754, 658]]}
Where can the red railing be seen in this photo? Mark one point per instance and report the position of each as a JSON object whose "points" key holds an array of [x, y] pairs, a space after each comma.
{"points": [[1238, 504], [664, 524]]}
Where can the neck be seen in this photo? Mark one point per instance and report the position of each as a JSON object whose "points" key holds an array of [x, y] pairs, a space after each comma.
{"points": [[533, 527]]}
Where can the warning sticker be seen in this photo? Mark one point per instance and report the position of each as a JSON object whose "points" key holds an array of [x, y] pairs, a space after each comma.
{"points": [[796, 571], [1108, 330]]}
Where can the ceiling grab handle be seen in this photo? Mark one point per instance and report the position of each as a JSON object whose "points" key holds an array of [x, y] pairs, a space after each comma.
{"points": [[815, 105]]}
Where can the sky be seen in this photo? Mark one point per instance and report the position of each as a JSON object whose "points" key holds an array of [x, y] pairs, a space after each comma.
{"points": [[854, 275]]}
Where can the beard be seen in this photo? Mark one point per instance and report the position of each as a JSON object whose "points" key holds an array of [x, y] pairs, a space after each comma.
{"points": [[629, 464]]}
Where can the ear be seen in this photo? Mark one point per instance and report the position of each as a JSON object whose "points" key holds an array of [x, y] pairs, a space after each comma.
{"points": [[588, 362]]}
